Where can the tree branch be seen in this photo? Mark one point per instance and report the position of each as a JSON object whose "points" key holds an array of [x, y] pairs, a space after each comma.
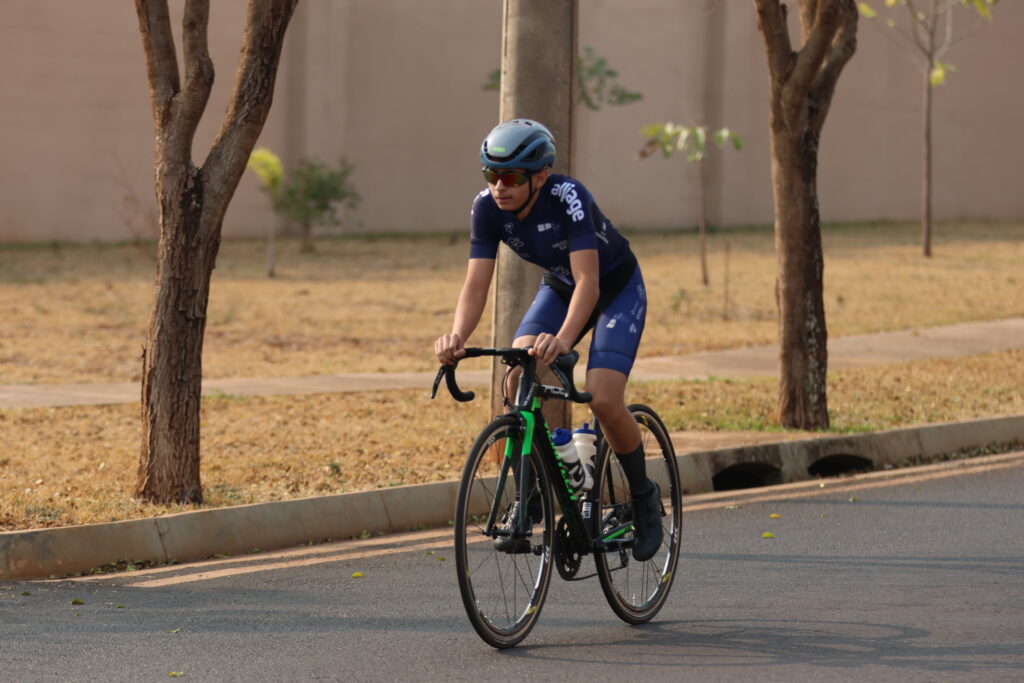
{"points": [[266, 22], [198, 66], [161, 62], [771, 18], [820, 36], [842, 50], [917, 26], [808, 17]]}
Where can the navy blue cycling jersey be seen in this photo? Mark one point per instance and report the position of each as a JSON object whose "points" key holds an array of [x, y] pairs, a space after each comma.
{"points": [[564, 219]]}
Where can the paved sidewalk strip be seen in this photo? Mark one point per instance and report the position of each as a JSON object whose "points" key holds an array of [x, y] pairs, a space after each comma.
{"points": [[967, 339]]}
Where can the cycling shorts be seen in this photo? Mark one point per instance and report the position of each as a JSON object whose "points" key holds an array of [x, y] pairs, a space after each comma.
{"points": [[617, 326]]}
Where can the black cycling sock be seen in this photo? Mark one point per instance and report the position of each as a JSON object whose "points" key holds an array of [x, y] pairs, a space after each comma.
{"points": [[636, 471]]}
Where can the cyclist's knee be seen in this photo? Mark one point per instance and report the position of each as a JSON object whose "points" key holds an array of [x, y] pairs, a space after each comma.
{"points": [[607, 405]]}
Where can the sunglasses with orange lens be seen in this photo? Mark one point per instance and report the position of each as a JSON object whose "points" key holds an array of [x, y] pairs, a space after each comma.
{"points": [[508, 178]]}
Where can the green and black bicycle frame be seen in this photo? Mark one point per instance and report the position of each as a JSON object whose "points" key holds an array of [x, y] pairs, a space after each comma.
{"points": [[584, 530]]}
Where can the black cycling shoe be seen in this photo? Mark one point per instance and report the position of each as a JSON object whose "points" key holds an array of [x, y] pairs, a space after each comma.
{"points": [[647, 532], [513, 544]]}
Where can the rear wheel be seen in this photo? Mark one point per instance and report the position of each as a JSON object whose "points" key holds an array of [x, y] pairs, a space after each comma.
{"points": [[502, 590], [636, 590]]}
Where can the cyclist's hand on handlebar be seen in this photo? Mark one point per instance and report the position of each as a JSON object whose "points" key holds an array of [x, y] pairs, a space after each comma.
{"points": [[547, 348], [449, 348]]}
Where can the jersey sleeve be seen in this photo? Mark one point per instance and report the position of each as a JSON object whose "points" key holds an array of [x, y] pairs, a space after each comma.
{"points": [[483, 237]]}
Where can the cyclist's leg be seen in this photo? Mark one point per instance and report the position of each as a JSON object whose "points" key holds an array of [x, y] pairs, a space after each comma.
{"points": [[613, 349], [612, 352], [545, 314]]}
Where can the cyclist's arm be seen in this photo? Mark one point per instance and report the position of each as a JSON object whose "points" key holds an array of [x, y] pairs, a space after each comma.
{"points": [[584, 266], [468, 309]]}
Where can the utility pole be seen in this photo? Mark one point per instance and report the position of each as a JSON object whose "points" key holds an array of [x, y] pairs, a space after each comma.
{"points": [[538, 81]]}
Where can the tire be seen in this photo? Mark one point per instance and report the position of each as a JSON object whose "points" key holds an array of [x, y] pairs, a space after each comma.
{"points": [[636, 591], [503, 593]]}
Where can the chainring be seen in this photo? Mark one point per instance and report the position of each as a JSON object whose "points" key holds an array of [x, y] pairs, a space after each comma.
{"points": [[567, 561]]}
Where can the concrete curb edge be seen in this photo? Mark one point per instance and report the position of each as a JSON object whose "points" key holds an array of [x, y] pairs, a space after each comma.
{"points": [[188, 536]]}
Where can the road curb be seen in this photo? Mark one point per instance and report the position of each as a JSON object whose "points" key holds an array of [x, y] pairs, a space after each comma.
{"points": [[187, 536]]}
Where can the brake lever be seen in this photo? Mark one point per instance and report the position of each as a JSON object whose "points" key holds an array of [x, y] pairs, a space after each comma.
{"points": [[448, 372], [437, 382], [564, 375]]}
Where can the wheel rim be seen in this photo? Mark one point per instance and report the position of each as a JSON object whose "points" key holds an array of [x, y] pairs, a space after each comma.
{"points": [[640, 587], [502, 591]]}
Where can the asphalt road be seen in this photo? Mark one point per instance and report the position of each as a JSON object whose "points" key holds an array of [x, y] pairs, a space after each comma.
{"points": [[920, 580]]}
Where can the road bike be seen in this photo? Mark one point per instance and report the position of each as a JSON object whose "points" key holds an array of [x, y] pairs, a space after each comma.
{"points": [[508, 532]]}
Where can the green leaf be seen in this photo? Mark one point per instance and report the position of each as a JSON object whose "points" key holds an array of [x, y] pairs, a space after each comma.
{"points": [[866, 10], [982, 7], [493, 80], [267, 166]]}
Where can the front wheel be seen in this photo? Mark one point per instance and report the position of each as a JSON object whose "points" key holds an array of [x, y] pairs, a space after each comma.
{"points": [[636, 591], [503, 579]]}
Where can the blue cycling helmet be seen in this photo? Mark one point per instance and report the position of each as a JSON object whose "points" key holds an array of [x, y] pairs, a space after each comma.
{"points": [[519, 143]]}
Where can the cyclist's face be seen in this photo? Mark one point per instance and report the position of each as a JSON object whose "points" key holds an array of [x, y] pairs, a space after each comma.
{"points": [[510, 196]]}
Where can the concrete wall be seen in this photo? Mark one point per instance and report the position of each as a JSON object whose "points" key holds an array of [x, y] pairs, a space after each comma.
{"points": [[394, 85]]}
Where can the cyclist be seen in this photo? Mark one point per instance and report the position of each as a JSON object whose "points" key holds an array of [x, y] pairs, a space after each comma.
{"points": [[592, 281]]}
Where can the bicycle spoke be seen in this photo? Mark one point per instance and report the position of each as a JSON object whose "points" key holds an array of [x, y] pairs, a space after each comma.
{"points": [[501, 588], [637, 590]]}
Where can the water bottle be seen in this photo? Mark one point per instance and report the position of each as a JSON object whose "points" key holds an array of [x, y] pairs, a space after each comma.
{"points": [[585, 440], [566, 449]]}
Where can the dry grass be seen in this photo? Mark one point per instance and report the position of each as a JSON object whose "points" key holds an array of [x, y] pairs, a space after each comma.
{"points": [[79, 314], [360, 305], [77, 465]]}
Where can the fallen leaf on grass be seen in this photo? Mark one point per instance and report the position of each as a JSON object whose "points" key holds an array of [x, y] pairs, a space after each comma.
{"points": [[175, 630], [357, 575], [767, 534]]}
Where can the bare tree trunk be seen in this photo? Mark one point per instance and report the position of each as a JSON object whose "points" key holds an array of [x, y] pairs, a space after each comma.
{"points": [[702, 222], [192, 204], [926, 171], [802, 85], [538, 81], [271, 256], [803, 334], [307, 238]]}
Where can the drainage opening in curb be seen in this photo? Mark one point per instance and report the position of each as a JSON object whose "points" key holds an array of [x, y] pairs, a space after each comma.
{"points": [[839, 465], [746, 475]]}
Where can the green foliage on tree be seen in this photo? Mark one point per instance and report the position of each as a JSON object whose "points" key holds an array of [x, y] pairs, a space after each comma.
{"points": [[923, 28], [310, 195], [598, 84], [930, 34], [267, 166], [692, 143]]}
